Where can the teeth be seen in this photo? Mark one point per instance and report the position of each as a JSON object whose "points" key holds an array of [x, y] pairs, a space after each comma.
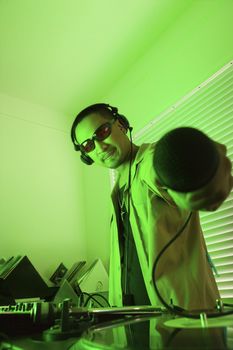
{"points": [[108, 155]]}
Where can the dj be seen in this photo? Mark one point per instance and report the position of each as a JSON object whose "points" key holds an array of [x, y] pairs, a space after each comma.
{"points": [[147, 213]]}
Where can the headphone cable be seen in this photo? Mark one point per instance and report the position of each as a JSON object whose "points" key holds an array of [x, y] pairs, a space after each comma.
{"points": [[128, 215]]}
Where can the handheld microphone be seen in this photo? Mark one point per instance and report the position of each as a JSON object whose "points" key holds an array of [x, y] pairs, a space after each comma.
{"points": [[185, 159]]}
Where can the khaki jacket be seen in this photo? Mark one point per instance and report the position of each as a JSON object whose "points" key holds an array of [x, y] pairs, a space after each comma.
{"points": [[183, 273]]}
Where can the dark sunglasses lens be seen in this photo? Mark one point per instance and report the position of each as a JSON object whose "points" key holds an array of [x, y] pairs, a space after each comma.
{"points": [[103, 132], [87, 146]]}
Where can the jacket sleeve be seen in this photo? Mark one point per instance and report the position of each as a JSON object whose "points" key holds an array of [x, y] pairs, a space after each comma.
{"points": [[149, 177]]}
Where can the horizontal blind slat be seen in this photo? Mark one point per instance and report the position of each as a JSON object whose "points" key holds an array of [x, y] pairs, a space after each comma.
{"points": [[214, 242], [209, 107], [227, 277]]}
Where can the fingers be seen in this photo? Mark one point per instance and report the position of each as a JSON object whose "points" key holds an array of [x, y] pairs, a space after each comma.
{"points": [[221, 148]]}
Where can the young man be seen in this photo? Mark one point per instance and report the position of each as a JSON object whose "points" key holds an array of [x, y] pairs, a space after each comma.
{"points": [[147, 215]]}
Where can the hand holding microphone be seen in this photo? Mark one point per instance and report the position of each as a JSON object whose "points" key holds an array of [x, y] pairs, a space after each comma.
{"points": [[193, 168]]}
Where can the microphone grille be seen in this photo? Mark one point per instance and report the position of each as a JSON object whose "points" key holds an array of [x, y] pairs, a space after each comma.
{"points": [[185, 159]]}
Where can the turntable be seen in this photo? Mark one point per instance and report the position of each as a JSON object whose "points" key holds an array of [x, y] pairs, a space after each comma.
{"points": [[159, 332], [64, 327]]}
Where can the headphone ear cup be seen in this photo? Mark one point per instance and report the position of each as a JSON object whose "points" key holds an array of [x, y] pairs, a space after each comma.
{"points": [[86, 159], [76, 147]]}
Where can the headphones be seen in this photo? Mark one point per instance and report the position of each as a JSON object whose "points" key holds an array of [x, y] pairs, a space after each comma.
{"points": [[90, 109]]}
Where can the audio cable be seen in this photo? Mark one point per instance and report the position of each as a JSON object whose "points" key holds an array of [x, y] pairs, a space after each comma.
{"points": [[91, 297], [174, 309]]}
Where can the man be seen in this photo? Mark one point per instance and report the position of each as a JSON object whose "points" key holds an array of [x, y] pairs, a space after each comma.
{"points": [[147, 215]]}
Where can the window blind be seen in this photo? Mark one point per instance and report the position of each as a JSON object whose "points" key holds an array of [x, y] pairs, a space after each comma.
{"points": [[209, 107]]}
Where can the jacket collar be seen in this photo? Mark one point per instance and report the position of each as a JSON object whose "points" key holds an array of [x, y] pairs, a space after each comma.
{"points": [[139, 157]]}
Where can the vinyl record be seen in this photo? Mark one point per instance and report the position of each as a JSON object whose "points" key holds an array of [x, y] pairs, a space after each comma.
{"points": [[183, 322]]}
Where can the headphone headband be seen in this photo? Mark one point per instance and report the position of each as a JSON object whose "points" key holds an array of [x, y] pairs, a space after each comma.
{"points": [[88, 110]]}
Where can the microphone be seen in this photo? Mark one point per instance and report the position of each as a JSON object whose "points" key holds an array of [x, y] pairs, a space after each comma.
{"points": [[185, 159]]}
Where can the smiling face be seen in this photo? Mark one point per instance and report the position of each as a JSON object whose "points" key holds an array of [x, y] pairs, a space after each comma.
{"points": [[113, 151]]}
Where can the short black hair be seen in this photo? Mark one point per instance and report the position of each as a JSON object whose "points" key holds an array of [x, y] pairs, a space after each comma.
{"points": [[100, 108]]}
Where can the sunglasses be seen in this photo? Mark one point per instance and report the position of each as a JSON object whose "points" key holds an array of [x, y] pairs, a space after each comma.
{"points": [[100, 134]]}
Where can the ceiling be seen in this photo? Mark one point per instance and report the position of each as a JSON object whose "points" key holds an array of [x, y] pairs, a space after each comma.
{"points": [[65, 54]]}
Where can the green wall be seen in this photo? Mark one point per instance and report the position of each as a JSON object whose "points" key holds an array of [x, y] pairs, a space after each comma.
{"points": [[191, 49], [41, 186]]}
